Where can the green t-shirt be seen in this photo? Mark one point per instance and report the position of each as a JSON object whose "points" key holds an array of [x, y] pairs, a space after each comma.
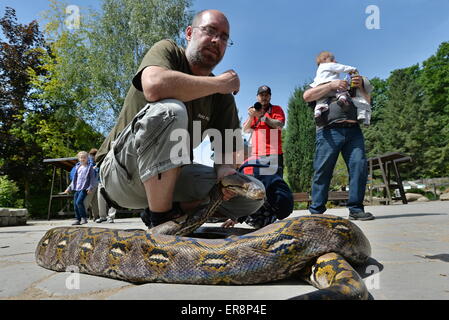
{"points": [[217, 111]]}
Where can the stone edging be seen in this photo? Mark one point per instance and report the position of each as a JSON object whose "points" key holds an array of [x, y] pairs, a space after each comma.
{"points": [[13, 217]]}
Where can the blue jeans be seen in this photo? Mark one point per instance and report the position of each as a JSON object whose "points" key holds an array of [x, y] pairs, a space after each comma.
{"points": [[78, 200], [329, 144]]}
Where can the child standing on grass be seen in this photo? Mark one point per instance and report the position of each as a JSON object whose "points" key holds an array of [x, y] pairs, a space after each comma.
{"points": [[83, 183]]}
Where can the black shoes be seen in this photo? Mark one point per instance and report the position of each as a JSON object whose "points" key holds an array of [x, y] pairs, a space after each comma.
{"points": [[146, 218], [363, 216]]}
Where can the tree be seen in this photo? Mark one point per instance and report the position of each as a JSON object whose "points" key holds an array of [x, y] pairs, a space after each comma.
{"points": [[379, 96], [33, 129], [20, 52], [409, 122], [411, 115], [96, 62], [401, 123], [435, 83], [299, 142]]}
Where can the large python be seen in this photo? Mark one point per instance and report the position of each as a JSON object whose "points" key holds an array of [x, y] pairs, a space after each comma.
{"points": [[319, 248]]}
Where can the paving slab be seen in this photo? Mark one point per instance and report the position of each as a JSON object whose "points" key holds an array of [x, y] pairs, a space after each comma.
{"points": [[410, 260]]}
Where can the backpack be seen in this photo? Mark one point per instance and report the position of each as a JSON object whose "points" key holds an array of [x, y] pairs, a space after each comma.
{"points": [[278, 200]]}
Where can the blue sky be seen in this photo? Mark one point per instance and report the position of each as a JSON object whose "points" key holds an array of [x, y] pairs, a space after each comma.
{"points": [[276, 41]]}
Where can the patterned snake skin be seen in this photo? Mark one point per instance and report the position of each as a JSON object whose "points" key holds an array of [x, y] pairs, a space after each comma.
{"points": [[318, 248]]}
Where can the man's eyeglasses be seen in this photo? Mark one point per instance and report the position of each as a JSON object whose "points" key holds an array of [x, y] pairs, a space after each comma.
{"points": [[211, 32]]}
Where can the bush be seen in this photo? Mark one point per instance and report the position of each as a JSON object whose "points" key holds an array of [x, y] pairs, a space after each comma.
{"points": [[416, 190], [431, 196], [9, 193], [428, 194]]}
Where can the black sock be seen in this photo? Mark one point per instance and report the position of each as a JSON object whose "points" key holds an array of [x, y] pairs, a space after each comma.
{"points": [[152, 219], [160, 217]]}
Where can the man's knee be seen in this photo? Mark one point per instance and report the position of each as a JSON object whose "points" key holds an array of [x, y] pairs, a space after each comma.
{"points": [[156, 123], [159, 118], [359, 164]]}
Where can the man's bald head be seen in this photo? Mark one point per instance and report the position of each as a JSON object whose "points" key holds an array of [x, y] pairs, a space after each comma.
{"points": [[198, 18]]}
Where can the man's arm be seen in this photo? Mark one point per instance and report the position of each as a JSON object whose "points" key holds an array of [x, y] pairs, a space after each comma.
{"points": [[247, 125], [273, 123], [252, 113], [316, 93], [159, 83]]}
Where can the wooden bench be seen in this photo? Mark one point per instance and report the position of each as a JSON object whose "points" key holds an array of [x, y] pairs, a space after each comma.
{"points": [[332, 196]]}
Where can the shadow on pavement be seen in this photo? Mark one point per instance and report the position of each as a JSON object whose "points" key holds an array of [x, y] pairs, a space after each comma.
{"points": [[24, 231], [410, 215], [442, 257]]}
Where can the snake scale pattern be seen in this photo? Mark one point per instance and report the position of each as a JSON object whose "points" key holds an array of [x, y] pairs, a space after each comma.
{"points": [[317, 248]]}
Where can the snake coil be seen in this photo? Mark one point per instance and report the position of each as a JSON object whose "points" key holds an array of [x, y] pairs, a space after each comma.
{"points": [[318, 248]]}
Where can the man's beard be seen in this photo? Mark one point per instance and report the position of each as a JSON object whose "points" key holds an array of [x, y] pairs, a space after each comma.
{"points": [[199, 59]]}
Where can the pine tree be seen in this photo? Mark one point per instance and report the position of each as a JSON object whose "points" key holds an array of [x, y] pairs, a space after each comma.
{"points": [[401, 122], [435, 84], [411, 115], [299, 143]]}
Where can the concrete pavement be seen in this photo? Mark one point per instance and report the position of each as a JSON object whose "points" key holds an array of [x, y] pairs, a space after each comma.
{"points": [[410, 260]]}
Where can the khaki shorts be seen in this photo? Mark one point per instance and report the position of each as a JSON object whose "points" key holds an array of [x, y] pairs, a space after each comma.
{"points": [[144, 150]]}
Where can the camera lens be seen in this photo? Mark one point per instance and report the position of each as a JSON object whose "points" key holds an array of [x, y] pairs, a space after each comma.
{"points": [[257, 106]]}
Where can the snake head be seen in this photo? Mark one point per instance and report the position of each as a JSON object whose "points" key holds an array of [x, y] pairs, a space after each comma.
{"points": [[243, 186]]}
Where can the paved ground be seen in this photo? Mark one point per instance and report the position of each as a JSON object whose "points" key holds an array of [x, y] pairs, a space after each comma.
{"points": [[410, 260]]}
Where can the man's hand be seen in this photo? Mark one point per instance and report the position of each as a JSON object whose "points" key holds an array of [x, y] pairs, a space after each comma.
{"points": [[223, 171], [229, 82], [252, 112], [229, 224], [357, 81], [340, 85]]}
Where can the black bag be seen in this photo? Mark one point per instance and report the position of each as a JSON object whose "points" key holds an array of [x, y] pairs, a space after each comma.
{"points": [[278, 201]]}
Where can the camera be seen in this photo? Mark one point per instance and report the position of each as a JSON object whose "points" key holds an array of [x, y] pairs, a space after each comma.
{"points": [[257, 106]]}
